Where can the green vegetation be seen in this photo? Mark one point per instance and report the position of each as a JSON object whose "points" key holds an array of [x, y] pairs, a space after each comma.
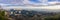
{"points": [[56, 17], [2, 15]]}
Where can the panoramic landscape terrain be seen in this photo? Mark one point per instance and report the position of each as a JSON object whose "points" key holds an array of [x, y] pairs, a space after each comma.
{"points": [[30, 13], [29, 9]]}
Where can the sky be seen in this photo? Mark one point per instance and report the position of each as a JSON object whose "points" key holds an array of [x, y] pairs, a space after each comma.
{"points": [[10, 1], [18, 2], [15, 2], [22, 2]]}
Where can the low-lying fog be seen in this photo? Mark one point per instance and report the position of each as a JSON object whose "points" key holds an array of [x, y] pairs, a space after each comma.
{"points": [[55, 8]]}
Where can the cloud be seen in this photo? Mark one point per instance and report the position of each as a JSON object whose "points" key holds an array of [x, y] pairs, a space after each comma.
{"points": [[10, 1], [32, 2]]}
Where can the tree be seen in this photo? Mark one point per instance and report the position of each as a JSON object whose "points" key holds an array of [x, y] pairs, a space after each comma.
{"points": [[2, 13]]}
